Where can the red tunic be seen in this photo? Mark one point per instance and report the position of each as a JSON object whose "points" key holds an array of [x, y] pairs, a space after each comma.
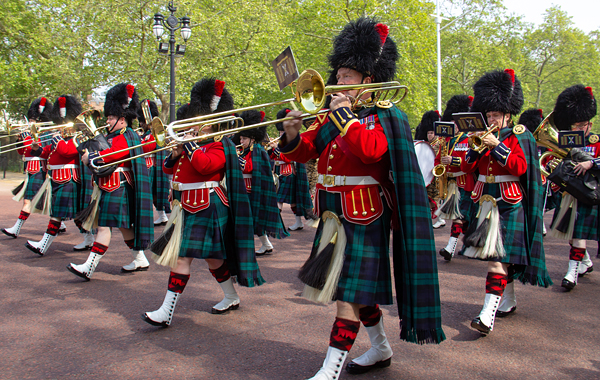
{"points": [[207, 163], [150, 159], [65, 153], [34, 163], [286, 167], [247, 167]]}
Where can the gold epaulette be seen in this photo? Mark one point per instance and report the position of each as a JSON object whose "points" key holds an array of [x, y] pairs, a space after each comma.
{"points": [[518, 129]]}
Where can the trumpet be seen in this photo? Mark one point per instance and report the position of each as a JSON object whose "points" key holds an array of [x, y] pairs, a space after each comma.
{"points": [[476, 142]]}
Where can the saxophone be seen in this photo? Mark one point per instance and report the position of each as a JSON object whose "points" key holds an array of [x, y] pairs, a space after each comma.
{"points": [[440, 174]]}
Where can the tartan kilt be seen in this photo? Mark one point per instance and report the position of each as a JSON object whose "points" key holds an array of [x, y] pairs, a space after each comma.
{"points": [[512, 224], [286, 193], [114, 209], [467, 207], [65, 199], [366, 275], [34, 183], [203, 235], [151, 178], [586, 222]]}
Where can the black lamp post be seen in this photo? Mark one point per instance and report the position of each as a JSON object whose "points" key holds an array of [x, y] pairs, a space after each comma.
{"points": [[172, 23]]}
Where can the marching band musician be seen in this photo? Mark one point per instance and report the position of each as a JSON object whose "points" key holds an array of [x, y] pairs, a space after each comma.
{"points": [[293, 181], [574, 109], [158, 179], [457, 205], [426, 132], [256, 169], [508, 229], [208, 221], [358, 204], [63, 166], [123, 201], [40, 110]]}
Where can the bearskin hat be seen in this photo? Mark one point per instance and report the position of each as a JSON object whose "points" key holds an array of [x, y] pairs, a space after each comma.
{"points": [[280, 115], [364, 45], [426, 124], [573, 105], [153, 110], [209, 95], [498, 91], [40, 110], [250, 118], [456, 104], [531, 118], [122, 101], [66, 108], [183, 112]]}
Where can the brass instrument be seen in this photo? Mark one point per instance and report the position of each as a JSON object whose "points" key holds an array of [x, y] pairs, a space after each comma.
{"points": [[546, 135], [476, 142], [440, 173]]}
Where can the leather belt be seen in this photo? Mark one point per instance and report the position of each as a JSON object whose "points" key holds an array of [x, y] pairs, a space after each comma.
{"points": [[178, 186], [66, 166], [455, 174], [497, 178], [34, 159], [342, 180], [247, 175]]}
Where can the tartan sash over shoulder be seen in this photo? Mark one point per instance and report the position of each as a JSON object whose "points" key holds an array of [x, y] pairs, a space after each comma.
{"points": [[415, 265], [535, 273], [142, 218], [241, 258], [263, 198], [162, 183]]}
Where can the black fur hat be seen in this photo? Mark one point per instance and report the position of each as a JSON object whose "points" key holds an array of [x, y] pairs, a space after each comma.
{"points": [[280, 115], [250, 118], [153, 110], [426, 124], [531, 118], [209, 95], [456, 104], [574, 105], [122, 101], [498, 91], [183, 112], [40, 110], [66, 108], [364, 45]]}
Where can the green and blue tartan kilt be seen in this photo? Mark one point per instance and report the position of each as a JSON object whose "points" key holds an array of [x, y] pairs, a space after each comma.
{"points": [[286, 193], [115, 207], [366, 275], [34, 183], [467, 207], [65, 199], [151, 178], [512, 224], [586, 222], [203, 235]]}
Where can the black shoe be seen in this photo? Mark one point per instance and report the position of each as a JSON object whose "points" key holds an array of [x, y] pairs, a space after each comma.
{"points": [[33, 249], [62, 230], [154, 323], [567, 284], [86, 248], [269, 251], [232, 307], [356, 369], [72, 270], [9, 233], [479, 326], [502, 314], [445, 254]]}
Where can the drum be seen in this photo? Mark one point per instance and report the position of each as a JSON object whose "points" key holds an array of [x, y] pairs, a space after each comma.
{"points": [[426, 159]]}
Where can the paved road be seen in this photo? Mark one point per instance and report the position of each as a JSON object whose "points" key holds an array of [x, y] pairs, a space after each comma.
{"points": [[54, 325]]}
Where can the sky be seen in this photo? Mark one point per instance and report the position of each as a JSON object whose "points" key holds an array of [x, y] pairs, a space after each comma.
{"points": [[585, 13]]}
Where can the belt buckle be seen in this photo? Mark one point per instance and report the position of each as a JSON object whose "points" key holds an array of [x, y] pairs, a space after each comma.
{"points": [[175, 186], [328, 180], [490, 178]]}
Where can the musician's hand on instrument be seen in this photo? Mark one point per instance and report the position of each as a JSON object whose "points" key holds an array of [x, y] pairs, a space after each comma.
{"points": [[339, 101], [292, 127], [446, 160], [176, 151], [491, 141], [35, 145], [582, 167]]}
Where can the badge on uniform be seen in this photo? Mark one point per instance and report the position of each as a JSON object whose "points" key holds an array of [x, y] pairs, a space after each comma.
{"points": [[369, 122], [470, 121], [571, 139], [443, 128]]}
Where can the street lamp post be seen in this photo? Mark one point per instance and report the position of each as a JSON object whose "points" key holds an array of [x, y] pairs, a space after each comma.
{"points": [[172, 23]]}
